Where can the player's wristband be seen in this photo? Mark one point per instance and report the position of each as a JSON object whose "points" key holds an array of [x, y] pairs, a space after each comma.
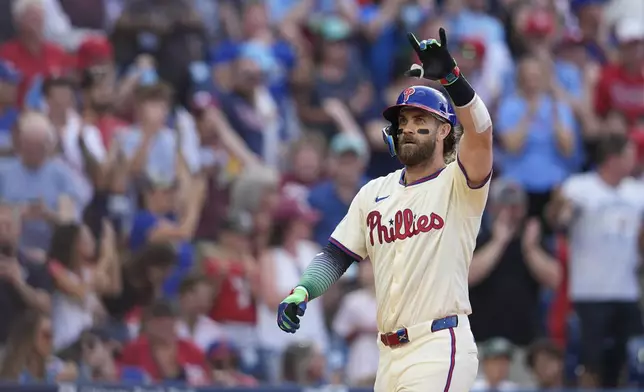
{"points": [[303, 290], [460, 91], [451, 77]]}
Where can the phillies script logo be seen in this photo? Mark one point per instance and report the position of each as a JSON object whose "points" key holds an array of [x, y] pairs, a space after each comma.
{"points": [[403, 225], [409, 91]]}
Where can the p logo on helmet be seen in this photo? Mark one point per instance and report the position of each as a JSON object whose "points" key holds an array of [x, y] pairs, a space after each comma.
{"points": [[408, 92]]}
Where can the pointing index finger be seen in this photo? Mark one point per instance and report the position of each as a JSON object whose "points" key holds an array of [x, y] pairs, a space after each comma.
{"points": [[443, 37], [414, 42]]}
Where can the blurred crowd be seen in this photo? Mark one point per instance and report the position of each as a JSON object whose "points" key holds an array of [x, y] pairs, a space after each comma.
{"points": [[168, 168]]}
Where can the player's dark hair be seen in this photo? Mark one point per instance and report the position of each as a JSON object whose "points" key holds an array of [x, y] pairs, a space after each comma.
{"points": [[63, 244], [156, 92], [295, 362], [53, 82], [160, 308], [542, 346], [190, 282], [609, 146], [278, 232], [20, 345], [156, 254], [450, 143]]}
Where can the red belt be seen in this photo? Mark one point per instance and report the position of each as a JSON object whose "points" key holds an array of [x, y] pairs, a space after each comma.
{"points": [[401, 336]]}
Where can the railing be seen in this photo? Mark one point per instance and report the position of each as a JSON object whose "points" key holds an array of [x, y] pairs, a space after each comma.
{"points": [[164, 388]]}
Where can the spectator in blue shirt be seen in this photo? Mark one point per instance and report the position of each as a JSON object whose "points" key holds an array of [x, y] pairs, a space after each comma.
{"points": [[42, 187], [332, 198], [9, 79], [149, 145], [536, 133], [159, 221]]}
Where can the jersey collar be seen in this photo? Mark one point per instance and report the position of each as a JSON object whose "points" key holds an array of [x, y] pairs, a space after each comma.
{"points": [[420, 180]]}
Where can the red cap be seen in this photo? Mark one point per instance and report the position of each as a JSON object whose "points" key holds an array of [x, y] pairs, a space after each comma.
{"points": [[94, 50], [539, 22], [290, 208], [474, 44]]}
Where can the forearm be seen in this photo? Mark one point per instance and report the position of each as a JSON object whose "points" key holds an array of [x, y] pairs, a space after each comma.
{"points": [[475, 146], [137, 163], [326, 268], [545, 269], [514, 141], [484, 260], [565, 142], [34, 298]]}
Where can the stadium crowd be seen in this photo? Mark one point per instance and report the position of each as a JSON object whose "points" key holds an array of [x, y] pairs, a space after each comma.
{"points": [[169, 167]]}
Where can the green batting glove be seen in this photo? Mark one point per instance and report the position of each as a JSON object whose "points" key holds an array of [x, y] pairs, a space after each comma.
{"points": [[291, 309]]}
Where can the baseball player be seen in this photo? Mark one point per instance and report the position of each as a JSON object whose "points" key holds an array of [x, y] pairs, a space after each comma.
{"points": [[418, 226]]}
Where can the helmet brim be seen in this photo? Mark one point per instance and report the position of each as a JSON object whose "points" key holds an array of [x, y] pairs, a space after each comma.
{"points": [[392, 112]]}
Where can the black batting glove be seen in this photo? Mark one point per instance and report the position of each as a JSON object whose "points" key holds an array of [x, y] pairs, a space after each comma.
{"points": [[437, 63]]}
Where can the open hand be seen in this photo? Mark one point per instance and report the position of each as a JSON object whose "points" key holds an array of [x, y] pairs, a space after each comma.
{"points": [[531, 234]]}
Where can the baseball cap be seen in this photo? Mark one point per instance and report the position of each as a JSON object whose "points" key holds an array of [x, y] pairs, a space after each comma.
{"points": [[259, 53], [629, 30], [9, 73], [496, 347], [290, 209], [157, 181], [343, 144], [575, 5], [239, 222], [95, 49], [334, 28], [540, 23], [504, 191], [160, 309], [221, 349], [471, 47]]}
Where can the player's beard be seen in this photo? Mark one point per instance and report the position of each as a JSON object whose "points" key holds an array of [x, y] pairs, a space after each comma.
{"points": [[412, 152]]}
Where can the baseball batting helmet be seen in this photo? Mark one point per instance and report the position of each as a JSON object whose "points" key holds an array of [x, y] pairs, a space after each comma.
{"points": [[419, 97]]}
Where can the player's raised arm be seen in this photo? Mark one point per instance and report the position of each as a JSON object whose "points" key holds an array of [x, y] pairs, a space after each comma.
{"points": [[346, 245], [475, 148]]}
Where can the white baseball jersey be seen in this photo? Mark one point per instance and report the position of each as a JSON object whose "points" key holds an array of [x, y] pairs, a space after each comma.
{"points": [[604, 254], [420, 238]]}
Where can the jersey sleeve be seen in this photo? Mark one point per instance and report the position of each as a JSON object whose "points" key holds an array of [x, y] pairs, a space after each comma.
{"points": [[572, 189], [470, 199], [349, 234]]}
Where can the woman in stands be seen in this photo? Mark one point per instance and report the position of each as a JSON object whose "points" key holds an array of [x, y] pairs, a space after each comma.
{"points": [[29, 355]]}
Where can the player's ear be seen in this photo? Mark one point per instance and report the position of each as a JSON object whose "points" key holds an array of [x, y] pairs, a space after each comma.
{"points": [[443, 131]]}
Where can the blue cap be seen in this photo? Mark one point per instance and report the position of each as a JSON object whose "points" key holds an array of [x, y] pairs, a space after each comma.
{"points": [[343, 143], [9, 73], [425, 98], [576, 4], [333, 28], [261, 54]]}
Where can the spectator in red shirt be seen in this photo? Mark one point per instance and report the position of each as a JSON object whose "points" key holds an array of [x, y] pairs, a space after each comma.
{"points": [[621, 85], [30, 52], [224, 358], [161, 354], [232, 269]]}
